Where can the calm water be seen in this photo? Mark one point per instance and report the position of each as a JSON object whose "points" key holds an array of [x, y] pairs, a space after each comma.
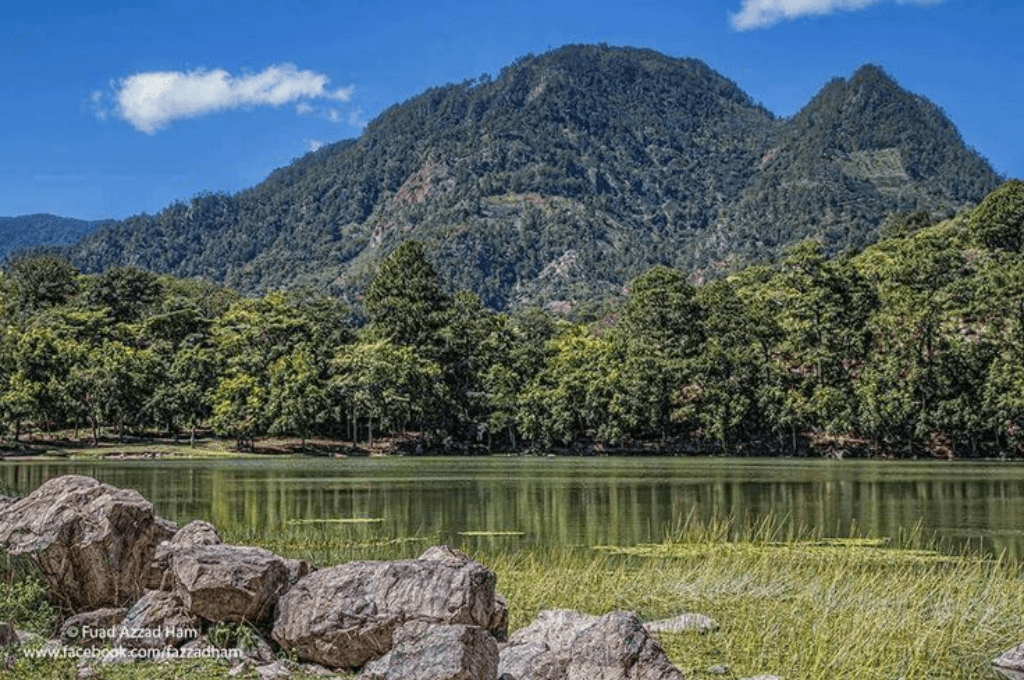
{"points": [[570, 501]]}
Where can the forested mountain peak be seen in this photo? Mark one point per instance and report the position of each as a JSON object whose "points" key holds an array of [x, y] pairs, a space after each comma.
{"points": [[564, 176], [33, 231]]}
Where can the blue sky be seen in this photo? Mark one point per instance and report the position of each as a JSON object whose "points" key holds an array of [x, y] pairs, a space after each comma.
{"points": [[111, 109]]}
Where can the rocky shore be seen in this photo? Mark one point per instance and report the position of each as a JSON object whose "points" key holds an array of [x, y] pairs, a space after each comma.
{"points": [[133, 586]]}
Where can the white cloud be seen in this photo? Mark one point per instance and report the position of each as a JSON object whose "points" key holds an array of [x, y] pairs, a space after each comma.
{"points": [[764, 13], [315, 145], [150, 101]]}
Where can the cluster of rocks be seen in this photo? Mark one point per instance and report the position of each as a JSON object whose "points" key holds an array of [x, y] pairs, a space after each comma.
{"points": [[130, 580]]}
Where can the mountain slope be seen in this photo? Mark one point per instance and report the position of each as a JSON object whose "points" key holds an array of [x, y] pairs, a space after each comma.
{"points": [[33, 231], [862, 148], [565, 176]]}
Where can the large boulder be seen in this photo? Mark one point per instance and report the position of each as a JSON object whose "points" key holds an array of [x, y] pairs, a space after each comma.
{"points": [[92, 629], [92, 542], [431, 651], [567, 645], [222, 582], [346, 615], [192, 534], [159, 619], [617, 647]]}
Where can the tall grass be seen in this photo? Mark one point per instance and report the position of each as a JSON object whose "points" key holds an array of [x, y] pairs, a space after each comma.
{"points": [[791, 602]]}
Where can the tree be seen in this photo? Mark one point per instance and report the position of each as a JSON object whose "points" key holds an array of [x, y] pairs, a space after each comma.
{"points": [[998, 221], [656, 335], [41, 281], [405, 301], [297, 398], [383, 383], [125, 291]]}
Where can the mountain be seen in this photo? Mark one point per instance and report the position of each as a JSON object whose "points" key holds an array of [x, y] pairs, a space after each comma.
{"points": [[569, 173], [33, 231]]}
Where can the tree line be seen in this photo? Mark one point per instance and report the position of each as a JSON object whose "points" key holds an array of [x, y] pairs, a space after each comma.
{"points": [[912, 346]]}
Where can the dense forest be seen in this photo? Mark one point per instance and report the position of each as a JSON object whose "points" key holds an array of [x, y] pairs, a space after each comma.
{"points": [[30, 232], [556, 182], [912, 346]]}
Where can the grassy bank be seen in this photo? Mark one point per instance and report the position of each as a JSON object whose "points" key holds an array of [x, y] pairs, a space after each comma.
{"points": [[796, 605], [799, 606]]}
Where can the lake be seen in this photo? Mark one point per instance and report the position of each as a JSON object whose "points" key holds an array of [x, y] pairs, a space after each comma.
{"points": [[569, 501]]}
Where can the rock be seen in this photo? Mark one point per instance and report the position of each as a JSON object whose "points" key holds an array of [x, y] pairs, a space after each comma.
{"points": [[297, 569], [91, 542], [681, 624], [498, 625], [568, 645], [26, 637], [228, 582], [431, 651], [92, 629], [1011, 662], [541, 650], [555, 629], [159, 619], [617, 647], [8, 636], [344, 616], [532, 661], [192, 534]]}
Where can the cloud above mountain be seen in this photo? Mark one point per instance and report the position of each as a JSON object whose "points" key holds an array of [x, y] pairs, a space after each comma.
{"points": [[151, 100], [765, 13]]}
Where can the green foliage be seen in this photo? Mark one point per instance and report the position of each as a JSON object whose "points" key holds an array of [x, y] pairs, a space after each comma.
{"points": [[405, 301], [230, 635], [998, 222], [913, 346], [566, 176], [23, 604], [40, 281]]}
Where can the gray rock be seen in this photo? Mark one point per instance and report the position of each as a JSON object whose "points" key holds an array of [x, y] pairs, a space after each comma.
{"points": [[275, 670], [683, 623], [157, 620], [498, 625], [555, 629], [92, 629], [617, 647], [1011, 662], [192, 534], [344, 616], [532, 661], [568, 645], [91, 542], [228, 582], [430, 651]]}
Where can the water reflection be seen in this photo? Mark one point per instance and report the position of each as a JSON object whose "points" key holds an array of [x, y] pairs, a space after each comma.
{"points": [[602, 501]]}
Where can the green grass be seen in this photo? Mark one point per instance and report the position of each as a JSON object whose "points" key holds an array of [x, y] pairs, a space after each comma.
{"points": [[790, 603], [798, 605]]}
